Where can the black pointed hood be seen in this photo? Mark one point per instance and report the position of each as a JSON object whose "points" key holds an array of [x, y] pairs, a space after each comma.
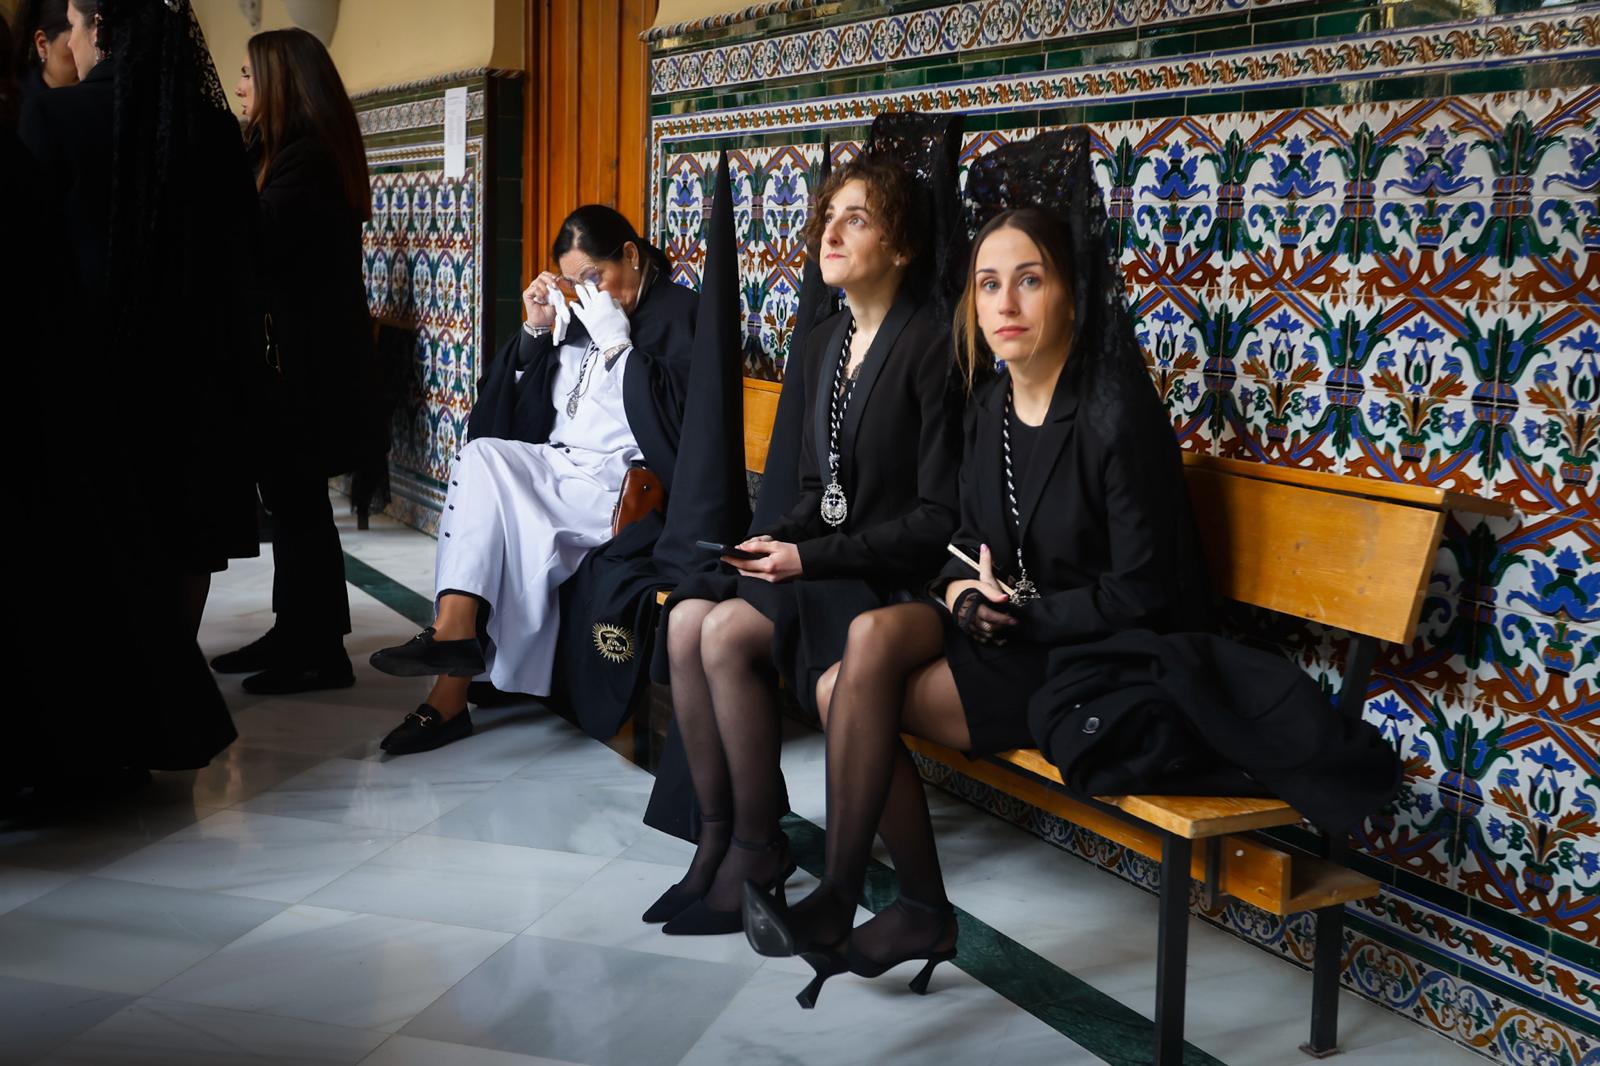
{"points": [[780, 479], [709, 499]]}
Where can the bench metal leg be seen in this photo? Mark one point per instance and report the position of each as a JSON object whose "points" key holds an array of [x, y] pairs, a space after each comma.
{"points": [[1172, 949], [1325, 967], [1325, 983]]}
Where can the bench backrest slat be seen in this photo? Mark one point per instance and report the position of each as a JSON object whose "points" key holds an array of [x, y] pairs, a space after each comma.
{"points": [[760, 410], [1330, 549], [1346, 561]]}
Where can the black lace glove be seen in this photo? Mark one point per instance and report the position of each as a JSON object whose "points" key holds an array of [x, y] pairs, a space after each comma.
{"points": [[984, 622]]}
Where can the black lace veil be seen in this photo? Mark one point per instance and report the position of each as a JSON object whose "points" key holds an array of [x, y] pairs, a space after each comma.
{"points": [[928, 148], [172, 156], [1053, 172]]}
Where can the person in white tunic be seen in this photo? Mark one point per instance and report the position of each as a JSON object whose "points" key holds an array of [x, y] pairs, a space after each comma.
{"points": [[558, 422]]}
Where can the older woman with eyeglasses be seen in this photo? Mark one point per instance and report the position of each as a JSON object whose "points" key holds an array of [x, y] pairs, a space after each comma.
{"points": [[594, 381]]}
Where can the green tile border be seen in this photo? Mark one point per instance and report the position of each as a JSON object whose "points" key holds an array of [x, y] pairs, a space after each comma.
{"points": [[406, 602]]}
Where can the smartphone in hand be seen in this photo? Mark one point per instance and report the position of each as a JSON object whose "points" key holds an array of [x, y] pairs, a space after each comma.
{"points": [[726, 549]]}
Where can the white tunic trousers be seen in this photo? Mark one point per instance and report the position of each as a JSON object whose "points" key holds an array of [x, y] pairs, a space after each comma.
{"points": [[519, 518]]}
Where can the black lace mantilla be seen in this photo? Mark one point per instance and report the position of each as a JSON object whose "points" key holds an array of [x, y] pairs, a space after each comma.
{"points": [[1053, 172], [928, 148], [168, 106]]}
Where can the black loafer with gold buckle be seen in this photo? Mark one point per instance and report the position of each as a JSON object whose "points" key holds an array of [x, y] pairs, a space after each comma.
{"points": [[425, 729], [423, 656]]}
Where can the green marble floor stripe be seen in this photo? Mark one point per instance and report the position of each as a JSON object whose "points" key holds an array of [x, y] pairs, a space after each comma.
{"points": [[389, 592], [1077, 1010]]}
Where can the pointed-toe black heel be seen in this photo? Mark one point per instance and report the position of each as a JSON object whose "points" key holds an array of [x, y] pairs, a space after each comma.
{"points": [[671, 903], [699, 918], [863, 966]]}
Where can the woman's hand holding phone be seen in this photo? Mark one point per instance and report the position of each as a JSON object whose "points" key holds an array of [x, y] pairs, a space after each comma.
{"points": [[779, 560]]}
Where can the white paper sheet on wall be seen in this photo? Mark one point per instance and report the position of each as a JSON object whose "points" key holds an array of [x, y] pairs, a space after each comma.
{"points": [[455, 133]]}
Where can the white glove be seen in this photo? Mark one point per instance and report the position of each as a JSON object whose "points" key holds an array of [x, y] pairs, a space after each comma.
{"points": [[563, 319], [603, 317]]}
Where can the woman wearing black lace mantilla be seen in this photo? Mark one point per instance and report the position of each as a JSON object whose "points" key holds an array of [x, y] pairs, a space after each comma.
{"points": [[148, 174], [876, 506]]}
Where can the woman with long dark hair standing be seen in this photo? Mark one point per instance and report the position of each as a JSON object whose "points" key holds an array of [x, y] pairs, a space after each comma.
{"points": [[311, 172], [42, 58]]}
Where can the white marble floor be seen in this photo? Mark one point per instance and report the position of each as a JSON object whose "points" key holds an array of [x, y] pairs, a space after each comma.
{"points": [[307, 900]]}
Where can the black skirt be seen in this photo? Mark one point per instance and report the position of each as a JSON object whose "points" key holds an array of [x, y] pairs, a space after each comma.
{"points": [[810, 618], [995, 683]]}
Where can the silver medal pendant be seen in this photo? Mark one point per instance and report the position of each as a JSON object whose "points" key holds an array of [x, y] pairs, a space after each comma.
{"points": [[1024, 591], [572, 407], [834, 505]]}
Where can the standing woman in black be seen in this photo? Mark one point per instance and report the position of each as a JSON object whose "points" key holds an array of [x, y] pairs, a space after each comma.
{"points": [[311, 170], [876, 506], [43, 60], [148, 178], [1074, 505]]}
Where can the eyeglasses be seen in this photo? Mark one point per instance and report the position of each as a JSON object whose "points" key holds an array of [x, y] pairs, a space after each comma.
{"points": [[568, 283]]}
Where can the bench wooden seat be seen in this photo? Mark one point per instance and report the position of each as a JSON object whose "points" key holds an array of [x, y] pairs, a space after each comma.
{"points": [[1347, 553]]}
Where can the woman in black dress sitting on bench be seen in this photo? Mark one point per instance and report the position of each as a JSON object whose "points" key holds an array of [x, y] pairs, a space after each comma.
{"points": [[876, 507], [1073, 505]]}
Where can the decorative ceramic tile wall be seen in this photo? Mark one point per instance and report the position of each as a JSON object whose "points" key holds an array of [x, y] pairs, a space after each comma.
{"points": [[428, 259], [1383, 279]]}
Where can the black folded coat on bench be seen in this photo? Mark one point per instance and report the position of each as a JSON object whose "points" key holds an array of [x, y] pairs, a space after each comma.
{"points": [[1193, 714]]}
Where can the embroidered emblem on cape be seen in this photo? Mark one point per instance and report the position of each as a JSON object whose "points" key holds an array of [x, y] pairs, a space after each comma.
{"points": [[614, 643]]}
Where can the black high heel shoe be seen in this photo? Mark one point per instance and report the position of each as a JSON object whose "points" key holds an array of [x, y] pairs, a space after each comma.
{"points": [[677, 899], [767, 929], [699, 918], [863, 966]]}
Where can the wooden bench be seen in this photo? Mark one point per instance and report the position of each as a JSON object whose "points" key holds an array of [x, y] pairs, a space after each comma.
{"points": [[1345, 552]]}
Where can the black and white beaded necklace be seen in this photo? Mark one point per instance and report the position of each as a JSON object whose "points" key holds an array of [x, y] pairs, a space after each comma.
{"points": [[835, 507], [1023, 589]]}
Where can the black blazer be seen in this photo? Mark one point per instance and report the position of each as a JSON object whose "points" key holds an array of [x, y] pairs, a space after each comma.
{"points": [[68, 130], [1107, 533], [311, 281], [900, 446], [653, 384]]}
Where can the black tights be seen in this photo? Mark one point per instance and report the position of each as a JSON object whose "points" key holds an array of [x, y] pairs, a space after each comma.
{"points": [[725, 701], [892, 678]]}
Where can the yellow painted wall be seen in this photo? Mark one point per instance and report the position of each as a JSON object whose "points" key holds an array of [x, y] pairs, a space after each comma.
{"points": [[379, 43]]}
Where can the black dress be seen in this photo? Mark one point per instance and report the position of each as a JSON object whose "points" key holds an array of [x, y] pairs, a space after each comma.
{"points": [[1107, 538], [899, 448]]}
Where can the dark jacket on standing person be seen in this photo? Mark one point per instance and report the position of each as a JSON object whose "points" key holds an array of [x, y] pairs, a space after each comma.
{"points": [[68, 130], [315, 292]]}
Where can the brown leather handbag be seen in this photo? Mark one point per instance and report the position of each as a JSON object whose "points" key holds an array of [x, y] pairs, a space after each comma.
{"points": [[641, 493]]}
